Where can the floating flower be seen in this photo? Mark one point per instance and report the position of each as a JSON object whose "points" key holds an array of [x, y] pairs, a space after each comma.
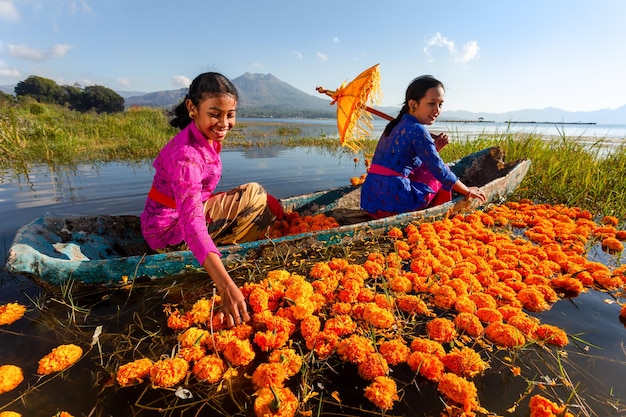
{"points": [[552, 335], [209, 369], [394, 351], [133, 372], [239, 352], [505, 335], [464, 362], [355, 349], [168, 372], [431, 347], [382, 392], [459, 390], [427, 365], [291, 361], [374, 365], [10, 414], [542, 407], [61, 357], [268, 375], [10, 377], [469, 324], [275, 402], [612, 245], [11, 312], [441, 330]]}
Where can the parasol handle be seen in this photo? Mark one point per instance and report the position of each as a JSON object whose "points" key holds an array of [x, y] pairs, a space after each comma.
{"points": [[378, 113]]}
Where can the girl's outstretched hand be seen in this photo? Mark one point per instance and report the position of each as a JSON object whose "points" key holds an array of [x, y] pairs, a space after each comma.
{"points": [[476, 192], [441, 140], [234, 308]]}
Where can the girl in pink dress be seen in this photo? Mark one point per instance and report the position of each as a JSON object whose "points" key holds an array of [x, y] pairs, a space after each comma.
{"points": [[181, 205]]}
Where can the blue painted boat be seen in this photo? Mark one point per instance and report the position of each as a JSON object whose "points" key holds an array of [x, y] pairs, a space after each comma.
{"points": [[103, 249]]}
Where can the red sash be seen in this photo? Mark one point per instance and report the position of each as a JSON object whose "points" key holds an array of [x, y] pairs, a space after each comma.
{"points": [[161, 198]]}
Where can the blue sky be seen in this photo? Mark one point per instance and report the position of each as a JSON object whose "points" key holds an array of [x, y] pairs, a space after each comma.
{"points": [[493, 56]]}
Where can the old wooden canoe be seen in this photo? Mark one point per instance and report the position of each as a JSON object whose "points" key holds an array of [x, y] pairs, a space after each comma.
{"points": [[102, 249]]}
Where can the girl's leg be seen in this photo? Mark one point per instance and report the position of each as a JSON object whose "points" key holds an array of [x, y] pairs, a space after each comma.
{"points": [[239, 215]]}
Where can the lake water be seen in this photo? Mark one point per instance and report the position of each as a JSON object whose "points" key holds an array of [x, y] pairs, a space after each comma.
{"points": [[598, 363]]}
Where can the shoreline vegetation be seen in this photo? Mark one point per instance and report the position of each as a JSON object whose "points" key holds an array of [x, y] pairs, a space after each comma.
{"points": [[514, 122], [576, 171]]}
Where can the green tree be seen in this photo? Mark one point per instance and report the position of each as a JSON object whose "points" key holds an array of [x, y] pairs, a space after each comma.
{"points": [[101, 99], [72, 96], [41, 89]]}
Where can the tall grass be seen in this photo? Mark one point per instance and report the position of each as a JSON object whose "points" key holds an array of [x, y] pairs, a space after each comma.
{"points": [[571, 171]]}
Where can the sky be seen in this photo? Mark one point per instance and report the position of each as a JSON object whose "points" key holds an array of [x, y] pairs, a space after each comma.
{"points": [[492, 56]]}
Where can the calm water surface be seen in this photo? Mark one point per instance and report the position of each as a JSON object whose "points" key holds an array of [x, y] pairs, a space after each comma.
{"points": [[598, 363]]}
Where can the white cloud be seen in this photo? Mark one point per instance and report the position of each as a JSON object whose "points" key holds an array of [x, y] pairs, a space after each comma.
{"points": [[10, 73], [80, 7], [297, 54], [181, 81], [258, 65], [123, 81], [26, 52], [469, 51], [322, 56], [8, 12], [336, 39]]}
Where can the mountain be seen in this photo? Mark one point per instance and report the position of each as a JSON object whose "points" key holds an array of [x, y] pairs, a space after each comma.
{"points": [[260, 95]]}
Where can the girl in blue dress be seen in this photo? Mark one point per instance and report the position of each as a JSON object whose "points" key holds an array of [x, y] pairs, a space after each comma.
{"points": [[407, 173]]}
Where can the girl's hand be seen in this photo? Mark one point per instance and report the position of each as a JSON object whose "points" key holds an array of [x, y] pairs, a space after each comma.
{"points": [[234, 308], [440, 140], [475, 192]]}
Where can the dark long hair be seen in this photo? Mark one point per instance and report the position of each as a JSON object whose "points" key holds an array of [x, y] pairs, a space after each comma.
{"points": [[206, 85], [415, 91]]}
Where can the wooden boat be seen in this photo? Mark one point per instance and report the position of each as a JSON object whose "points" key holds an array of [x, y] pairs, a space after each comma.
{"points": [[103, 249]]}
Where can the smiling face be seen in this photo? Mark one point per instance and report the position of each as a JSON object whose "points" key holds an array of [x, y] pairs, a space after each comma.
{"points": [[428, 108], [214, 116]]}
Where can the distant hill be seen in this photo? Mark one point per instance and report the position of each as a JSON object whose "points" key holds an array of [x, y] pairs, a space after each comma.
{"points": [[260, 95]]}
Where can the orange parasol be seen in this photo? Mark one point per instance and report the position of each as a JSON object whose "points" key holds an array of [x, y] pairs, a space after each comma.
{"points": [[353, 112]]}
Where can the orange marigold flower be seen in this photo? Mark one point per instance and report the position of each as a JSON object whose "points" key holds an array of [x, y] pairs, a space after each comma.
{"points": [[572, 287], [464, 362], [395, 232], [382, 392], [622, 312], [355, 349], [395, 351], [322, 343], [459, 390], [482, 299], [133, 372], [192, 353], [620, 235], [505, 335], [178, 321], [210, 369], [269, 375], [310, 326], [11, 312], [427, 365], [10, 377], [533, 299], [168, 372], [432, 347], [342, 325], [552, 335], [400, 284], [612, 245], [239, 352], [444, 296], [378, 317], [192, 336], [201, 311], [10, 414], [374, 365], [526, 324], [412, 304], [61, 357], [441, 330], [275, 402], [469, 324], [488, 315], [291, 361], [542, 407]]}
